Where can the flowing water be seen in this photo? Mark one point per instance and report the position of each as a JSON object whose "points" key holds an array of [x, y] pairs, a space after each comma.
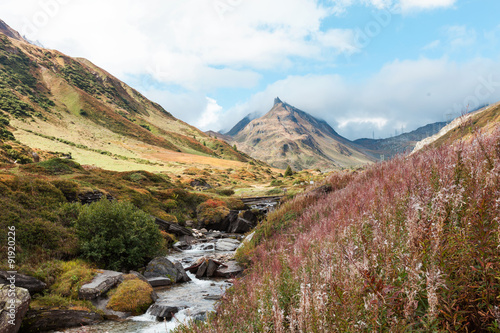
{"points": [[198, 295]]}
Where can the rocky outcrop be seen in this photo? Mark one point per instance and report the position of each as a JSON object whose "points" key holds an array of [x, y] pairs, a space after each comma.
{"points": [[200, 184], [165, 310], [162, 272], [92, 196], [48, 320], [230, 270], [172, 228], [241, 226], [23, 281], [102, 282], [14, 303], [227, 244], [220, 221]]}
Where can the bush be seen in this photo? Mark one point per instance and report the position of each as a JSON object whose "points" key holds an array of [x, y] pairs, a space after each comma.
{"points": [[212, 211], [132, 295], [117, 235], [227, 192], [288, 171]]}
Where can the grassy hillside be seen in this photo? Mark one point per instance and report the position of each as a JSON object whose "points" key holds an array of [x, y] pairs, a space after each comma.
{"points": [[81, 109], [407, 245]]}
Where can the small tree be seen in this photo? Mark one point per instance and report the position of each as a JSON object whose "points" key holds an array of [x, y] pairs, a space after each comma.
{"points": [[117, 235], [288, 171]]}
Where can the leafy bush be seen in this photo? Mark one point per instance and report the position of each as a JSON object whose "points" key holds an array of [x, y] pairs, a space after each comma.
{"points": [[288, 171], [117, 235], [132, 295]]}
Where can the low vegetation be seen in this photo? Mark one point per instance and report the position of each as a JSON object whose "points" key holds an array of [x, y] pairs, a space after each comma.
{"points": [[132, 295], [407, 245]]}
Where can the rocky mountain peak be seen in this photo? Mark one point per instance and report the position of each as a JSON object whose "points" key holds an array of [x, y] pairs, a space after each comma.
{"points": [[277, 100], [9, 32]]}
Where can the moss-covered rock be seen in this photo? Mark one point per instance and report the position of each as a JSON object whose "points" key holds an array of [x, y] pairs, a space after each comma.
{"points": [[132, 295]]}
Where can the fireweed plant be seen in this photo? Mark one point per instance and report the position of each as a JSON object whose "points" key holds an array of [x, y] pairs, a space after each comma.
{"points": [[407, 245]]}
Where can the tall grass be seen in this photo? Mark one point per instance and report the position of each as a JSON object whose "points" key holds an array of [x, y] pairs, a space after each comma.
{"points": [[407, 245]]}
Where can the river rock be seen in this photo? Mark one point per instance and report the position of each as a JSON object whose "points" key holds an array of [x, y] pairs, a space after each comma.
{"points": [[18, 303], [230, 270], [24, 281], [211, 268], [227, 244], [160, 281], [163, 268], [48, 320], [181, 246], [102, 282], [165, 310], [202, 269], [182, 271]]}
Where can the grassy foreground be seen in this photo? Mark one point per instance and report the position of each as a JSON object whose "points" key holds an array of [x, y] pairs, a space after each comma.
{"points": [[407, 245]]}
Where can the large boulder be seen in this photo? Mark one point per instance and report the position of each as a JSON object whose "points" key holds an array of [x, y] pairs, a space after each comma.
{"points": [[173, 228], [229, 270], [165, 310], [218, 218], [240, 226], [161, 271], [23, 281], [48, 320], [202, 270], [227, 244], [102, 282], [14, 303]]}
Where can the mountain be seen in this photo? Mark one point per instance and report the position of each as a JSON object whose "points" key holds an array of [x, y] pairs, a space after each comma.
{"points": [[9, 32], [288, 136], [240, 125], [52, 102], [482, 120], [401, 144]]}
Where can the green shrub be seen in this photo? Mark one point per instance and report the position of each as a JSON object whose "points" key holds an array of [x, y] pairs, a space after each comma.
{"points": [[288, 171], [117, 235]]}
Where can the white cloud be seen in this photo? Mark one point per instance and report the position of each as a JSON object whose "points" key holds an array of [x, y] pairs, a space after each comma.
{"points": [[408, 5], [408, 93], [459, 37], [432, 45], [210, 116]]}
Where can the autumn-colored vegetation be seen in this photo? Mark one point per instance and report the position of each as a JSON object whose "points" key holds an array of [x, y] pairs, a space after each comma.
{"points": [[407, 245], [132, 295]]}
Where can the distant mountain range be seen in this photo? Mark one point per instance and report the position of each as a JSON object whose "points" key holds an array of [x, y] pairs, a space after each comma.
{"points": [[401, 144], [288, 136]]}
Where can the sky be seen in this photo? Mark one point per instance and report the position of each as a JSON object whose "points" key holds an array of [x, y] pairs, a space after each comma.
{"points": [[370, 68]]}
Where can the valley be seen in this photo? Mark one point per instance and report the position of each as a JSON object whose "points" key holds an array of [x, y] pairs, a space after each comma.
{"points": [[127, 219]]}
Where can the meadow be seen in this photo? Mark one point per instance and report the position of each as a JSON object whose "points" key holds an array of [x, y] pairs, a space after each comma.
{"points": [[406, 245]]}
